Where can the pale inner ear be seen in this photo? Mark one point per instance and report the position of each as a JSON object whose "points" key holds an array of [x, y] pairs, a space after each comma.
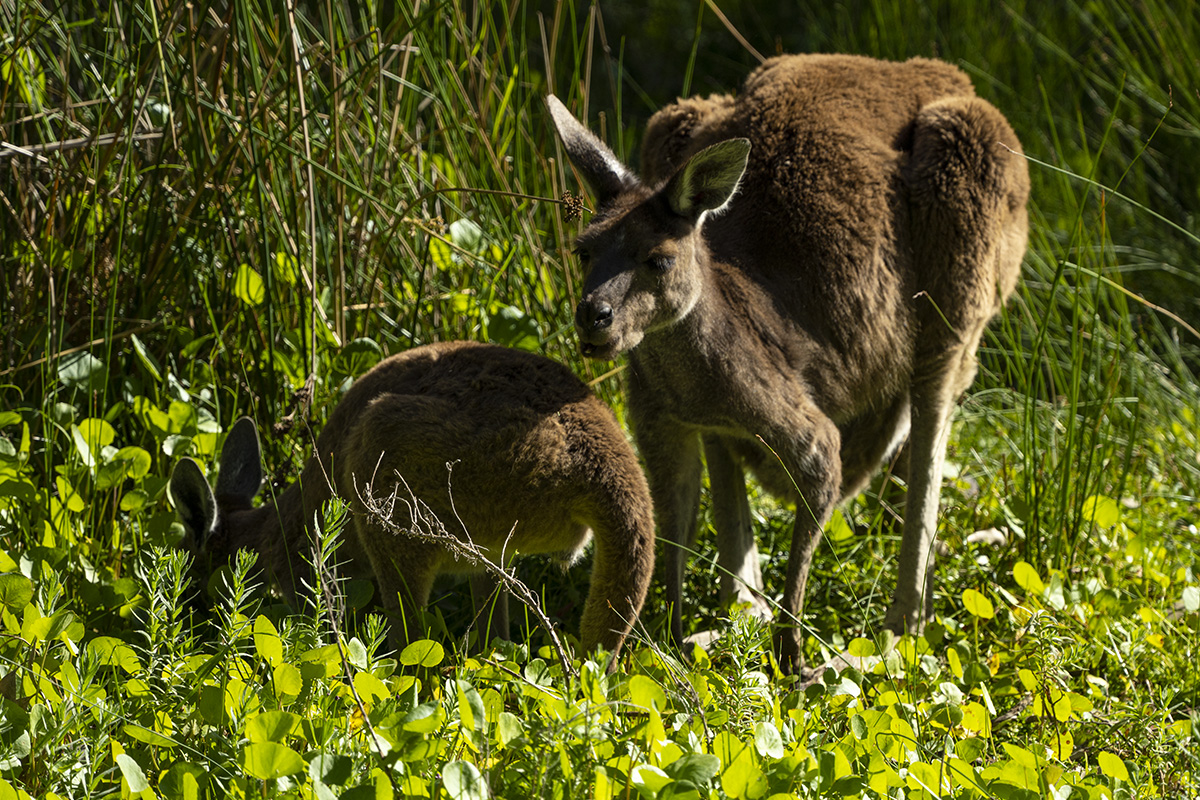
{"points": [[193, 499], [709, 179]]}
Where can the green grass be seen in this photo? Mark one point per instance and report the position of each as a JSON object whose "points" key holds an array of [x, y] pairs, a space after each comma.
{"points": [[205, 208]]}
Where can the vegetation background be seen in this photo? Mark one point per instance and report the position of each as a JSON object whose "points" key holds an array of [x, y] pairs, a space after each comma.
{"points": [[214, 209]]}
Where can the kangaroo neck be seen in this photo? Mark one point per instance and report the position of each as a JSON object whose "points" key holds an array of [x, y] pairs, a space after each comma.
{"points": [[274, 532], [724, 321]]}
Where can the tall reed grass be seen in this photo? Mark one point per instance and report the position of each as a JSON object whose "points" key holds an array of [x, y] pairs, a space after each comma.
{"points": [[226, 203]]}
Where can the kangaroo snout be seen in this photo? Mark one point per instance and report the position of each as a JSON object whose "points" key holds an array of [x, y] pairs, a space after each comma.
{"points": [[592, 315], [593, 322]]}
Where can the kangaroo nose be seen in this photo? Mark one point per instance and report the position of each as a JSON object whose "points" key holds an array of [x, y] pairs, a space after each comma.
{"points": [[593, 316]]}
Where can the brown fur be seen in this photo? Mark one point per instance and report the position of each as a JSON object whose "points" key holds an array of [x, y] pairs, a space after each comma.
{"points": [[532, 452], [878, 226]]}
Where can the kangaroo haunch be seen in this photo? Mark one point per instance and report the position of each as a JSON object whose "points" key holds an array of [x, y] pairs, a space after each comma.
{"points": [[488, 441], [813, 262]]}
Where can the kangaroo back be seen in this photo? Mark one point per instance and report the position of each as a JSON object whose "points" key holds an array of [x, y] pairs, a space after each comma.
{"points": [[503, 448]]}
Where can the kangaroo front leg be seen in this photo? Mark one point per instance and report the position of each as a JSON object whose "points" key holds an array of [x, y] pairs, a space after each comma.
{"points": [[812, 459], [932, 410], [737, 552], [673, 466]]}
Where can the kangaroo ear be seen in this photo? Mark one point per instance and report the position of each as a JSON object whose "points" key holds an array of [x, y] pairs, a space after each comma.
{"points": [[241, 463], [607, 176], [708, 179], [194, 501]]}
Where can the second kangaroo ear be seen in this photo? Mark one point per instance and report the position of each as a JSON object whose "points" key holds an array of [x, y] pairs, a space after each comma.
{"points": [[607, 176], [708, 180], [193, 499], [241, 464]]}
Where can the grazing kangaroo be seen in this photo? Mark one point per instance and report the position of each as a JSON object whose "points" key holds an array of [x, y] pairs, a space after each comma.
{"points": [[812, 262], [534, 454]]}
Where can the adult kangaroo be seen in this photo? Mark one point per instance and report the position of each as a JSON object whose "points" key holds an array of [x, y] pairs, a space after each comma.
{"points": [[539, 464], [812, 262]]}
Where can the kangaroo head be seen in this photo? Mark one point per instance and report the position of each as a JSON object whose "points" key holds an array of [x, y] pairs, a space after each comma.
{"points": [[204, 514], [643, 251]]}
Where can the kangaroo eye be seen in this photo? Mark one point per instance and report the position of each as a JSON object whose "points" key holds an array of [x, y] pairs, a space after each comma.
{"points": [[660, 263]]}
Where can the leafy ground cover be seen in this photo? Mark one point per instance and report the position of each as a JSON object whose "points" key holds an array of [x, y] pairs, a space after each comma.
{"points": [[217, 209]]}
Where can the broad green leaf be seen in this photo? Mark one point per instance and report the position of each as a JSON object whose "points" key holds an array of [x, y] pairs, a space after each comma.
{"points": [[328, 654], [1020, 755], [737, 763], [97, 433], [9, 418], [696, 768], [466, 234], [833, 766], [68, 496], [930, 777], [134, 500], [176, 445], [269, 760], [1062, 744], [508, 728], [644, 692], [512, 327], [1104, 511], [149, 736], [422, 653], [1112, 766], [380, 788], [470, 707], [330, 768], [978, 605], [356, 653], [183, 781], [286, 268], [955, 662], [363, 345], [113, 652], [272, 726], [837, 529], [649, 778], [82, 371], [1181, 728], [977, 719], [370, 688], [153, 417], [463, 781], [858, 726], [183, 418], [422, 719], [1027, 578], [861, 647], [767, 740], [15, 592], [34, 626], [947, 715], [132, 773], [267, 642], [288, 681], [248, 286], [136, 460]]}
